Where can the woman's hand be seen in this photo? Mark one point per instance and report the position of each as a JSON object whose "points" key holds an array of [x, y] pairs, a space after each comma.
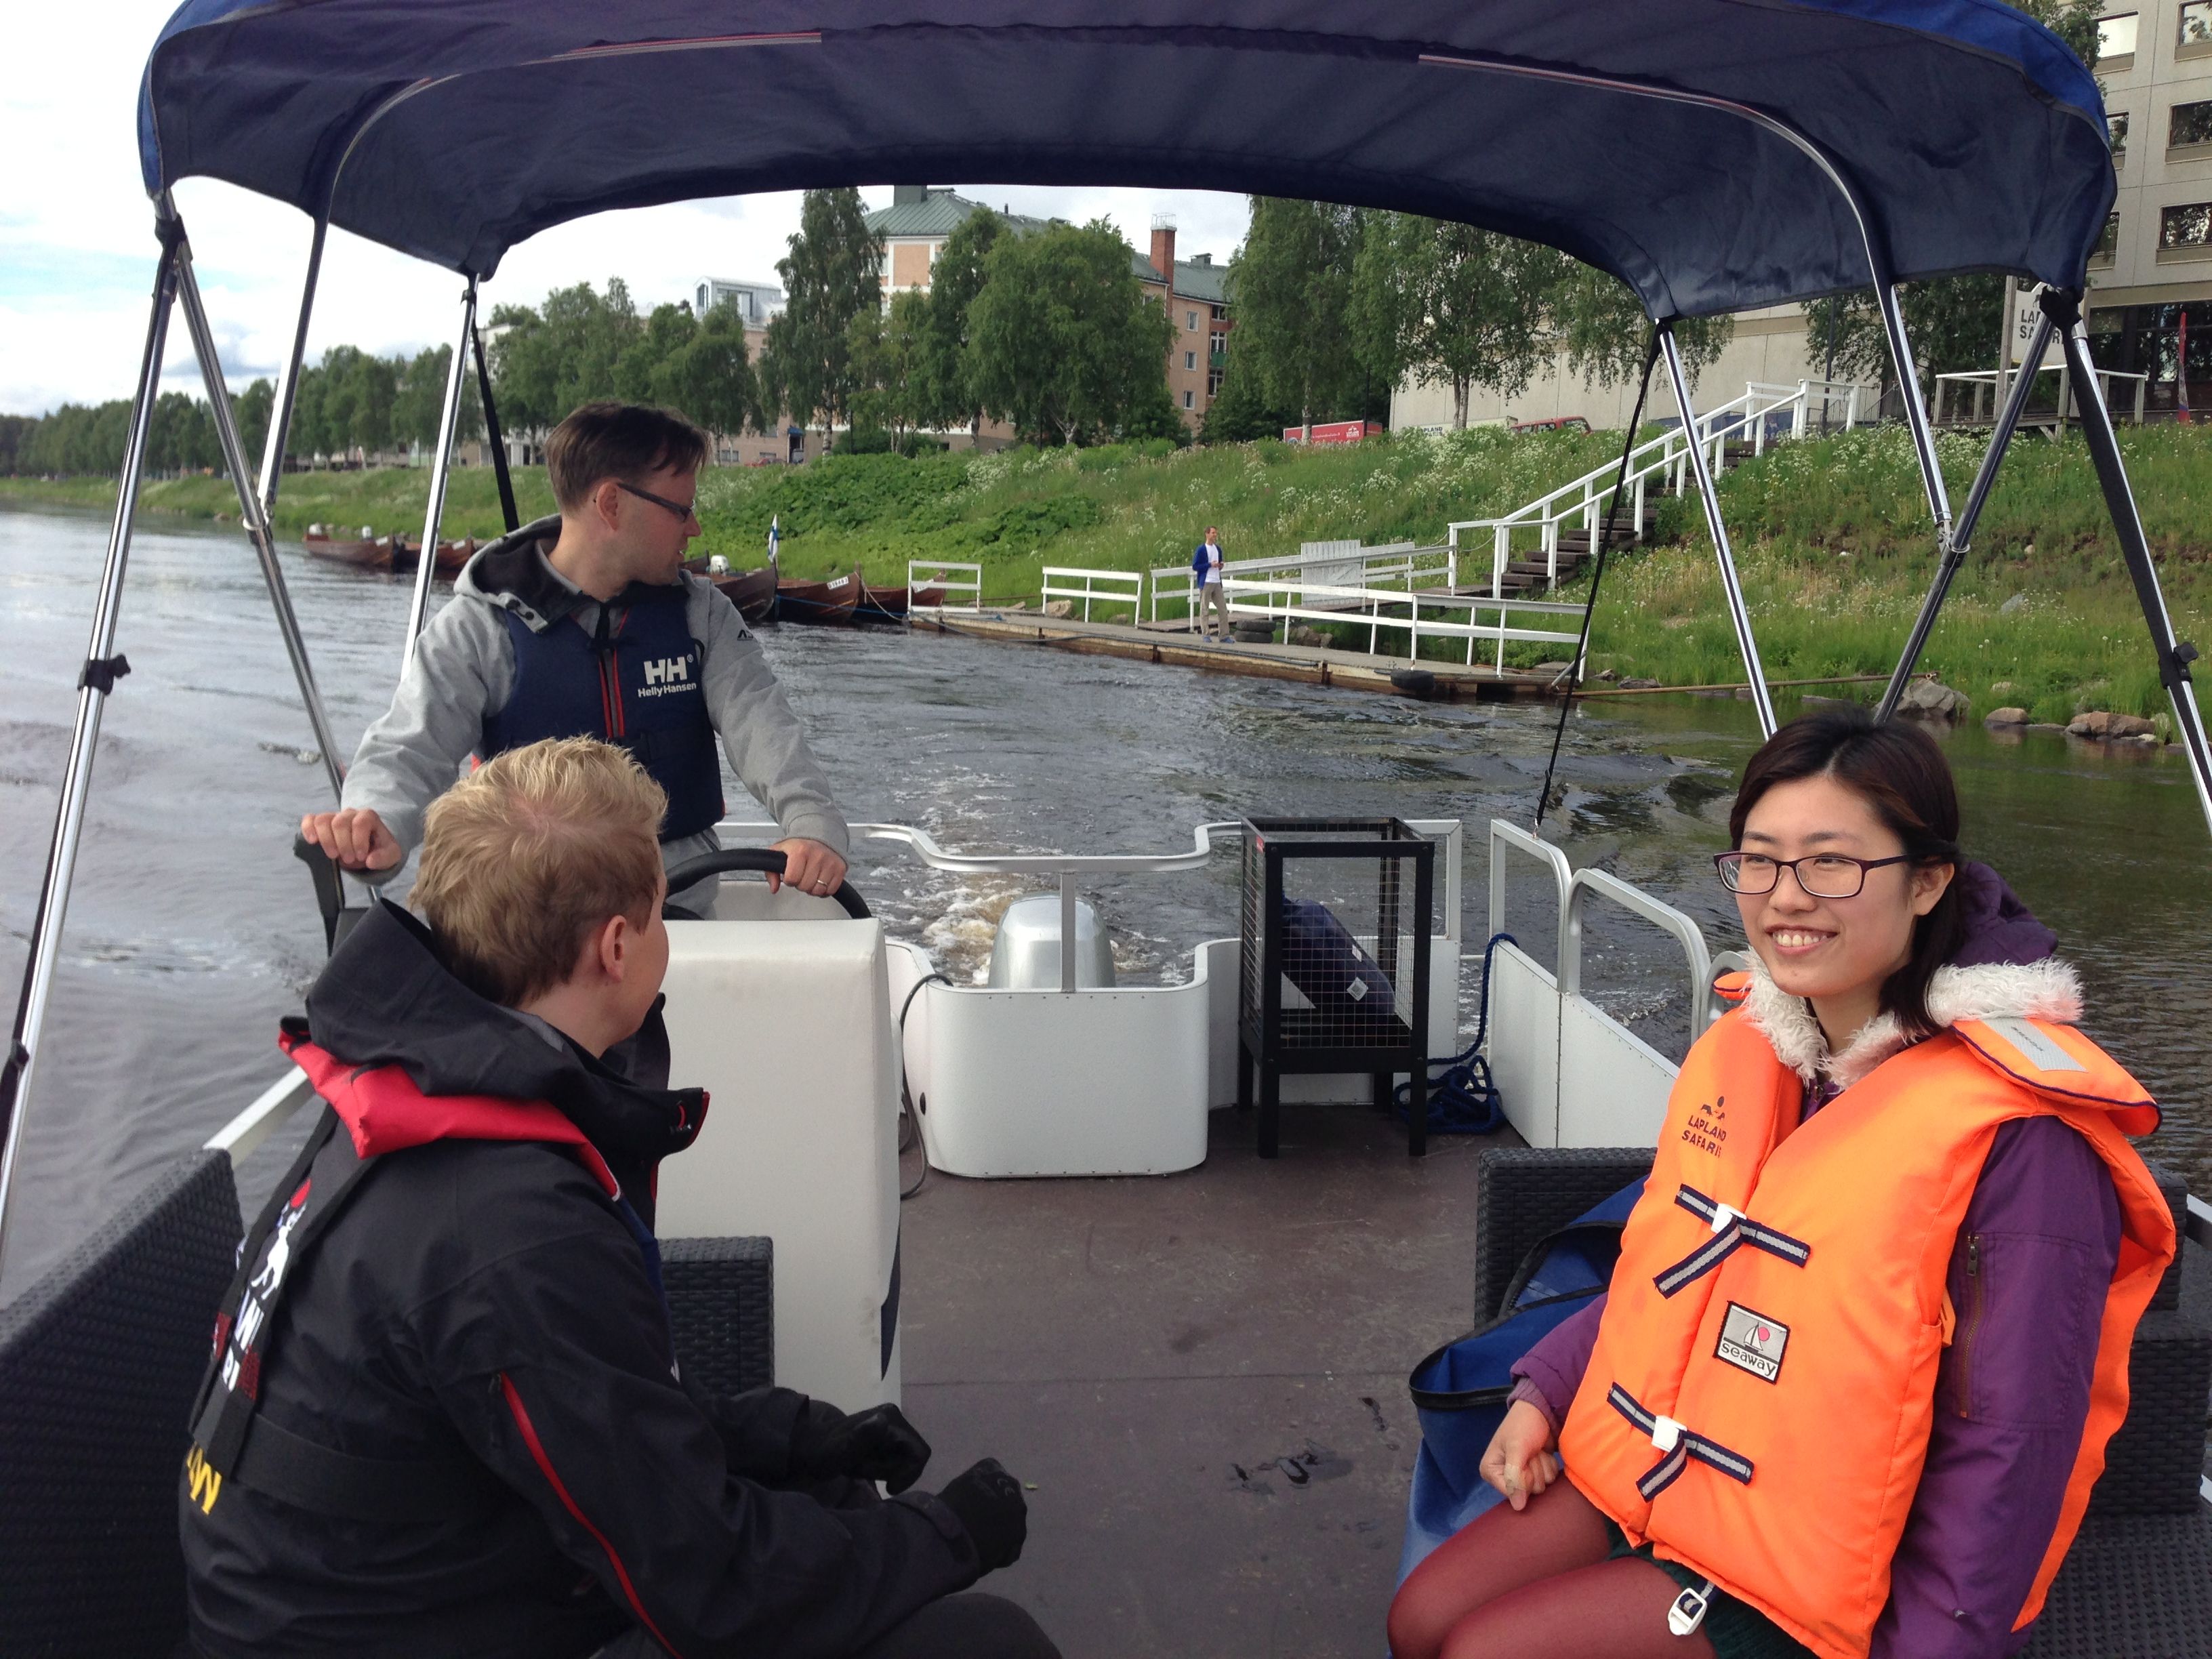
{"points": [[1520, 1461]]}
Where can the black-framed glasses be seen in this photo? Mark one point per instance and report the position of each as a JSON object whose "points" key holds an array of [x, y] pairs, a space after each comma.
{"points": [[1820, 875], [686, 512]]}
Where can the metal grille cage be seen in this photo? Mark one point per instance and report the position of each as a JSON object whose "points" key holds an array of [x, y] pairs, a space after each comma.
{"points": [[1336, 919]]}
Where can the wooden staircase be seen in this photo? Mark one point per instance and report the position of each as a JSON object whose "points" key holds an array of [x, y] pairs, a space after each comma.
{"points": [[1533, 575]]}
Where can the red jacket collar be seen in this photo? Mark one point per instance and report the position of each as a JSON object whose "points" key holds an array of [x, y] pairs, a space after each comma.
{"points": [[385, 1112]]}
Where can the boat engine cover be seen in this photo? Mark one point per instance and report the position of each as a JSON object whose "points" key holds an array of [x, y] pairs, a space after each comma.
{"points": [[1025, 954]]}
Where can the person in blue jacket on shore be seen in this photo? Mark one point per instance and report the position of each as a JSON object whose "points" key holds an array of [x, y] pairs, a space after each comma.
{"points": [[1205, 565]]}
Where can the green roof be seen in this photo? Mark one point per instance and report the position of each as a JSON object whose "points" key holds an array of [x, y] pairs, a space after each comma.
{"points": [[938, 213]]}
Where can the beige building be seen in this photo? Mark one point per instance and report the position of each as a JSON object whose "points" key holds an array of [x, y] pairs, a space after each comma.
{"points": [[2154, 273], [2154, 270]]}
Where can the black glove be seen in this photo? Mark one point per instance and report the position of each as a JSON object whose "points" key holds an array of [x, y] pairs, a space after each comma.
{"points": [[876, 1444], [989, 1504]]}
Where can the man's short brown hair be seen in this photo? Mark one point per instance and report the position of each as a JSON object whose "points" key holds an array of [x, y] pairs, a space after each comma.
{"points": [[604, 440], [530, 854]]}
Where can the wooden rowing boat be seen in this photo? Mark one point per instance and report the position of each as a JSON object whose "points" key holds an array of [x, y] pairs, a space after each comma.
{"points": [[829, 604], [452, 555], [753, 592], [883, 604], [366, 551]]}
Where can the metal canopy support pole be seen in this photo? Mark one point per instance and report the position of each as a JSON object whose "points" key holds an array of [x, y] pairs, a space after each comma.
{"points": [[1962, 533], [1762, 698], [494, 437], [250, 510], [288, 388], [1915, 411], [426, 561], [102, 668], [2174, 655]]}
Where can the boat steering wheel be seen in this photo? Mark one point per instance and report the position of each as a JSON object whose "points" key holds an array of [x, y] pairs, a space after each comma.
{"points": [[765, 859]]}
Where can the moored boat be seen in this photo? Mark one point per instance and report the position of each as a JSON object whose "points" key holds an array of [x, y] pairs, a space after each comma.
{"points": [[830, 604], [883, 604], [753, 592], [366, 551]]}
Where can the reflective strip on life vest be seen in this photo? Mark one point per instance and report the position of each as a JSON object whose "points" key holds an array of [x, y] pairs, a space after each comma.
{"points": [[1677, 1444], [1731, 1228]]}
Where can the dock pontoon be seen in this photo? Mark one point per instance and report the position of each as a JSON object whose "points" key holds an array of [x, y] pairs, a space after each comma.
{"points": [[1203, 1372]]}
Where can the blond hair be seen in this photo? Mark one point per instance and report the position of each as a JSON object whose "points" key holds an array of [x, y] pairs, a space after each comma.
{"points": [[531, 854]]}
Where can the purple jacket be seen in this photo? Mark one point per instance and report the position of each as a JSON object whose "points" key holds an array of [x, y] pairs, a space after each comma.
{"points": [[2042, 1236]]}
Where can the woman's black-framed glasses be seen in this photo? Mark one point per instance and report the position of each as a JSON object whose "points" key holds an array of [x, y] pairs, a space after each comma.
{"points": [[686, 513], [1820, 875]]}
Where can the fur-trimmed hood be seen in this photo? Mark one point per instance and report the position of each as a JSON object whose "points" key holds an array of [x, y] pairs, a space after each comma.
{"points": [[2004, 970], [2049, 989]]}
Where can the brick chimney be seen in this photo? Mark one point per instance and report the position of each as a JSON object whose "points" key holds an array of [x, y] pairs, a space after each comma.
{"points": [[1164, 248]]}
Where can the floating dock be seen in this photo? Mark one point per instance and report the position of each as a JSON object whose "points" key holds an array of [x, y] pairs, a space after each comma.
{"points": [[1352, 671]]}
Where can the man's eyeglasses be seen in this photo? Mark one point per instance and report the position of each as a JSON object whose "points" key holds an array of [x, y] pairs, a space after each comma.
{"points": [[1820, 875], [686, 511]]}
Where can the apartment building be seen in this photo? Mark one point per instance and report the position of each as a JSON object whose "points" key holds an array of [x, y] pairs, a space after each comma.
{"points": [[2151, 281]]}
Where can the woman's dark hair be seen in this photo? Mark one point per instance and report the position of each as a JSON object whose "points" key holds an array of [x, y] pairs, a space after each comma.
{"points": [[1898, 770]]}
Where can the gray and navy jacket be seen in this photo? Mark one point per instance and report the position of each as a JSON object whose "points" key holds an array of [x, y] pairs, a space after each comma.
{"points": [[499, 645]]}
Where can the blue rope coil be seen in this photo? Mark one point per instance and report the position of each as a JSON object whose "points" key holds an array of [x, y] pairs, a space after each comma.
{"points": [[1463, 1097]]}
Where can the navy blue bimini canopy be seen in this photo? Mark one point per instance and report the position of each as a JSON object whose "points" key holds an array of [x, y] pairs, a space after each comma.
{"points": [[1706, 152]]}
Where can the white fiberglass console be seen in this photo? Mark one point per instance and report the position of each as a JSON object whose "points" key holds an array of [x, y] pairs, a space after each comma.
{"points": [[786, 1023]]}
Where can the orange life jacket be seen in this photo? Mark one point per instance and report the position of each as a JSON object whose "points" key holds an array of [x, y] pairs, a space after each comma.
{"points": [[1759, 1401]]}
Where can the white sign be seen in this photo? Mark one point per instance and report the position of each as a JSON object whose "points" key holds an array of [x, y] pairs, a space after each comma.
{"points": [[2027, 315]]}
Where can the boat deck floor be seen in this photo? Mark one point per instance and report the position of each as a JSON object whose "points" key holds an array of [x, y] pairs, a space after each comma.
{"points": [[1202, 1375]]}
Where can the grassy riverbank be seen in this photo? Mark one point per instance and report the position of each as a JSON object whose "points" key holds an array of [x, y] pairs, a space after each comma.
{"points": [[1831, 536], [388, 499]]}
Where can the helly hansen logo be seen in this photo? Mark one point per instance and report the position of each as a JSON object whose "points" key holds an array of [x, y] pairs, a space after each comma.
{"points": [[669, 677], [1752, 1342]]}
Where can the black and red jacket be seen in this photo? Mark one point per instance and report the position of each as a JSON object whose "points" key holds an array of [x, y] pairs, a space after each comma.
{"points": [[485, 1309]]}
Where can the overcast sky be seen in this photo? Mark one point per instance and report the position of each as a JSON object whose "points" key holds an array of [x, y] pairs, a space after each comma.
{"points": [[76, 246]]}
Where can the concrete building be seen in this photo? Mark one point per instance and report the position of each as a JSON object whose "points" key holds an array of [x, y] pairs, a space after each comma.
{"points": [[756, 301], [922, 218], [2152, 279], [2152, 276]]}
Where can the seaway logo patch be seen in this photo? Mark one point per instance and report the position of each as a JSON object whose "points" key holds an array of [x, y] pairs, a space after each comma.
{"points": [[1752, 1342]]}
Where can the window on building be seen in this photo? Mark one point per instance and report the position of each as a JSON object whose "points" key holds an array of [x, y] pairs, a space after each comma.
{"points": [[2108, 245], [1213, 384], [2116, 128], [2189, 226], [2196, 26], [1190, 400], [2115, 37], [2192, 124], [1190, 360], [1220, 313], [1190, 321]]}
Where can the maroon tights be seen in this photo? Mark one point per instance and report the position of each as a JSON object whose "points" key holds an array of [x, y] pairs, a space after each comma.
{"points": [[1535, 1585]]}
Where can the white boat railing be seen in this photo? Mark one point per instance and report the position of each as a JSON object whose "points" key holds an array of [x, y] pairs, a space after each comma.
{"points": [[947, 577], [272, 1109], [1108, 587], [1582, 502], [1287, 601]]}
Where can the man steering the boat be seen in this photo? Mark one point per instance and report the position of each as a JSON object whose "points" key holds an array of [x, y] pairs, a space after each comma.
{"points": [[585, 623], [445, 1416]]}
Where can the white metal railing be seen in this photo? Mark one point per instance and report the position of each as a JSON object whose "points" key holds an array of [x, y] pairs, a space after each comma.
{"points": [[1666, 456], [922, 576], [1347, 564], [1287, 600], [1998, 383], [1107, 586]]}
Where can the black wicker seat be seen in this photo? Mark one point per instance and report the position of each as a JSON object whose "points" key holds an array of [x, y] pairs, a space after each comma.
{"points": [[98, 1361], [2138, 1583]]}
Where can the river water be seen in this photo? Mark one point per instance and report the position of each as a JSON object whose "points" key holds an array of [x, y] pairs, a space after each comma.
{"points": [[192, 929]]}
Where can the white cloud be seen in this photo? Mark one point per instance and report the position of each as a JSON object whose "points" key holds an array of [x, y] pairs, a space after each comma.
{"points": [[76, 248]]}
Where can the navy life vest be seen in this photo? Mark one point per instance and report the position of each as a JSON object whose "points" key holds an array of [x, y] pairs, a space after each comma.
{"points": [[635, 680]]}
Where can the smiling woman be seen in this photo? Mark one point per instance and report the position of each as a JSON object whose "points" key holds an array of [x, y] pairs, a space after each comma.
{"points": [[1891, 1178]]}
